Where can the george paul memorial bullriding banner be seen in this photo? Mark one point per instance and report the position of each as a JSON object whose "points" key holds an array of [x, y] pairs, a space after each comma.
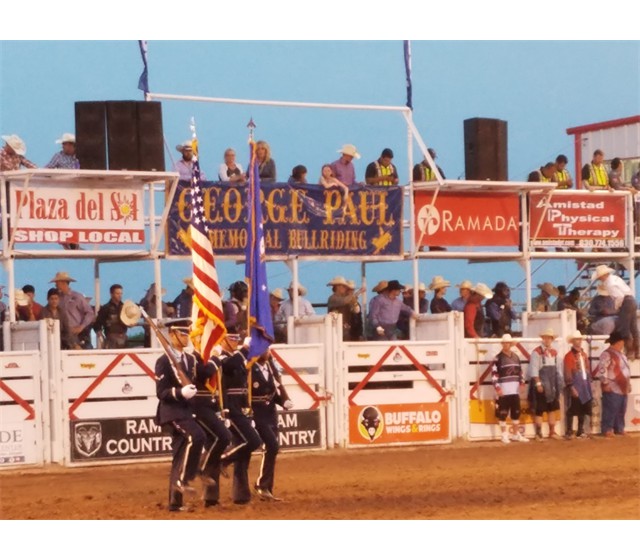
{"points": [[305, 220]]}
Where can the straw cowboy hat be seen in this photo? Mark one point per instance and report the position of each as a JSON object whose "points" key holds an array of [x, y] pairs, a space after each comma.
{"points": [[600, 271], [465, 285], [549, 288], [508, 338], [21, 298], [439, 282], [548, 332], [483, 290], [66, 137], [575, 336], [189, 282], [380, 286], [16, 143], [421, 288], [302, 291], [349, 150], [186, 145], [62, 277], [338, 281], [351, 284], [130, 313], [278, 294]]}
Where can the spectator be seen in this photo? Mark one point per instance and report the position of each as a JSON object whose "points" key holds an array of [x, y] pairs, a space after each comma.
{"points": [[266, 164], [109, 326], [474, 320], [541, 303], [507, 378], [230, 171], [235, 307], [68, 340], [465, 291], [562, 292], [577, 380], [388, 310], [561, 174], [31, 310], [375, 300], [439, 286], [343, 168], [602, 312], [12, 154], [357, 322], [66, 158], [544, 174], [614, 373], [305, 309], [382, 173], [298, 176], [344, 301], [500, 311], [423, 172], [594, 174], [81, 315], [184, 166], [616, 178], [571, 301], [276, 297], [184, 300], [635, 179], [545, 383], [150, 306]]}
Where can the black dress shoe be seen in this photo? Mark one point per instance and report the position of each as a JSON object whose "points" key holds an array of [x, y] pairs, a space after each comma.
{"points": [[210, 503]]}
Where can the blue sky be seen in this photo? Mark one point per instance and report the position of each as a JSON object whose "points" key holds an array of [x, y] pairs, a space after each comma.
{"points": [[540, 88]]}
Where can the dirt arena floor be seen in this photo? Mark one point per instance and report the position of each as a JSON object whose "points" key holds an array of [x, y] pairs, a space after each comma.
{"points": [[593, 479]]}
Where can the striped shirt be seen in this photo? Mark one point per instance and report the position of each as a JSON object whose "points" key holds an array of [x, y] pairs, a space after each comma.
{"points": [[506, 373]]}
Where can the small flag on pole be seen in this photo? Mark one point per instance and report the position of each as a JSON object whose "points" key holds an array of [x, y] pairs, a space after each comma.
{"points": [[407, 67], [259, 310], [207, 316], [143, 82]]}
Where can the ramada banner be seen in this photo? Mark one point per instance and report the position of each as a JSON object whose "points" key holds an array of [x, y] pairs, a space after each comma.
{"points": [[298, 220], [467, 219], [61, 214], [577, 220]]}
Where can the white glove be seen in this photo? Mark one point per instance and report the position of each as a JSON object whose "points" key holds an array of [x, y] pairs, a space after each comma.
{"points": [[189, 391], [288, 404], [216, 350], [246, 342], [379, 330]]}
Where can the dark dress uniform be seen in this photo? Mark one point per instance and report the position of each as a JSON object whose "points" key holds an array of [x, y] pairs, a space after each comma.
{"points": [[245, 438], [264, 398], [175, 413]]}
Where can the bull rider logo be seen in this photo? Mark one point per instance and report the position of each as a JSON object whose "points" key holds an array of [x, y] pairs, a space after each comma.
{"points": [[370, 423], [88, 438]]}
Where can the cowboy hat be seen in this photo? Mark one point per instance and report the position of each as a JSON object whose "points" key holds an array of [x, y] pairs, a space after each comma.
{"points": [[439, 282], [548, 332], [421, 288], [277, 293], [600, 271], [189, 282], [21, 298], [130, 313], [483, 290], [508, 338], [302, 291], [349, 150], [575, 336], [465, 285], [66, 137], [351, 284], [62, 277], [549, 288], [16, 143], [394, 285], [338, 281], [380, 286], [186, 145]]}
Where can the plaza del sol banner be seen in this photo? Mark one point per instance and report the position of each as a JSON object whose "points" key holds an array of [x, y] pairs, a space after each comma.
{"points": [[306, 220]]}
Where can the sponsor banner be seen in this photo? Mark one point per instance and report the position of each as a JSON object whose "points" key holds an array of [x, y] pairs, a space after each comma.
{"points": [[51, 213], [590, 220], [299, 429], [307, 220], [398, 423], [467, 219], [14, 438]]}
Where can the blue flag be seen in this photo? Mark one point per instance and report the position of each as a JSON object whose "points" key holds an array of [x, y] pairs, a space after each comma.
{"points": [[407, 68], [143, 82], [259, 310]]}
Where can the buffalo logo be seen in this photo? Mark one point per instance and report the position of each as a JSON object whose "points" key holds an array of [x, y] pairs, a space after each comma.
{"points": [[429, 219], [370, 424], [88, 438]]}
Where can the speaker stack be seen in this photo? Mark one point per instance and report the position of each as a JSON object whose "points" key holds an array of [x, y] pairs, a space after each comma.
{"points": [[485, 149], [119, 135]]}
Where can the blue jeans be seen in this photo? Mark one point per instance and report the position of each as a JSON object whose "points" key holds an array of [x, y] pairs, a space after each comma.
{"points": [[614, 407]]}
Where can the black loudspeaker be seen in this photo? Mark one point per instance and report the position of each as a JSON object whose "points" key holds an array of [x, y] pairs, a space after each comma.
{"points": [[150, 136], [485, 149], [122, 135], [91, 140]]}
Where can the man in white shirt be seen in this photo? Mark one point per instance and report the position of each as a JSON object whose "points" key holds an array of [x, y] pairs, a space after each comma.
{"points": [[286, 308]]}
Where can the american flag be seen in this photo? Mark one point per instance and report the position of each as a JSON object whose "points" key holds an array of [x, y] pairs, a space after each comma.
{"points": [[206, 315]]}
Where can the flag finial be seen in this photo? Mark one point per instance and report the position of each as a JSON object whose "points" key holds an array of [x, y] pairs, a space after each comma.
{"points": [[251, 126]]}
